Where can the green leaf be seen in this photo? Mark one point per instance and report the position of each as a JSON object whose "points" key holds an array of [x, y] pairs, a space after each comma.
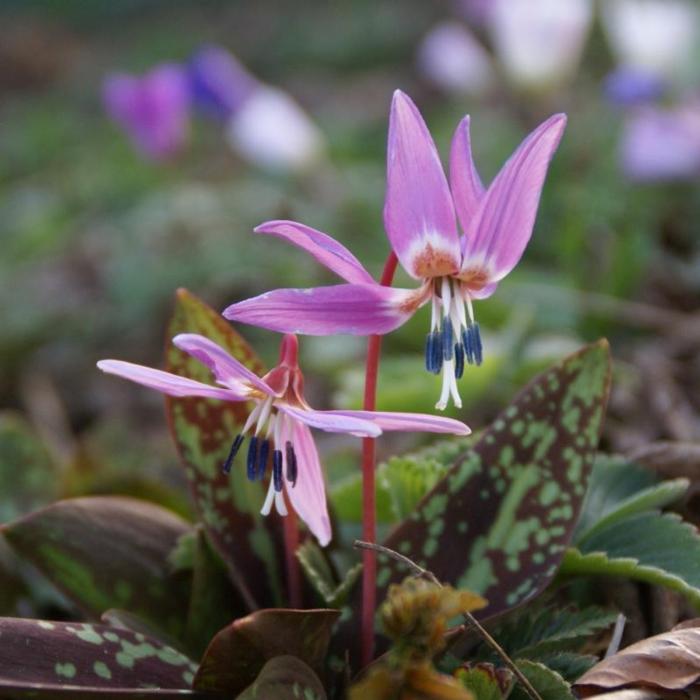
{"points": [[28, 478], [317, 568], [56, 659], [249, 544], [285, 678], [569, 665], [486, 681], [237, 653], [499, 521], [651, 547], [549, 684], [534, 634], [108, 552], [618, 489]]}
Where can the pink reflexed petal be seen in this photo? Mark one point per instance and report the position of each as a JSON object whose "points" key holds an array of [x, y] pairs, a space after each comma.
{"points": [[418, 213], [467, 189], [497, 236], [356, 309], [170, 384], [409, 422], [332, 421], [485, 292], [227, 370], [308, 497], [326, 250]]}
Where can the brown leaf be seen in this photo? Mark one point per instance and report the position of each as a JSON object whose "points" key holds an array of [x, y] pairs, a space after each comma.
{"points": [[669, 661]]}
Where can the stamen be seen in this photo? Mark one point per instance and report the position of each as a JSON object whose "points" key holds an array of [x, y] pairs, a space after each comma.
{"points": [[265, 408], [441, 405], [447, 339], [237, 442], [277, 476], [429, 352], [468, 346], [263, 454], [446, 292], [254, 414], [276, 461], [267, 506], [292, 470], [459, 360], [437, 352], [477, 347], [252, 458]]}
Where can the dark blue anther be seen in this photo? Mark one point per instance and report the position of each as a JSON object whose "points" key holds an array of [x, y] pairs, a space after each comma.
{"points": [[459, 360], [468, 345], [448, 342], [263, 454], [437, 352], [276, 462], [236, 445], [429, 352], [277, 474], [291, 464], [476, 344], [252, 458]]}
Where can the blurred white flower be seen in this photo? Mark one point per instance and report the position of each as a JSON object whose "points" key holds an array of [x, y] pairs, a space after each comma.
{"points": [[453, 59], [273, 131], [539, 42], [658, 37]]}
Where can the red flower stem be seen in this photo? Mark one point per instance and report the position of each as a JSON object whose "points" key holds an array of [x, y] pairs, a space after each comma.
{"points": [[291, 544], [369, 516]]}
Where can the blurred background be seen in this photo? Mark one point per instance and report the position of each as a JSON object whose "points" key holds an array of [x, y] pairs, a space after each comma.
{"points": [[141, 142]]}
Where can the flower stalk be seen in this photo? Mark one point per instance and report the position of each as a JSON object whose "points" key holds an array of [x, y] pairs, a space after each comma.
{"points": [[369, 515]]}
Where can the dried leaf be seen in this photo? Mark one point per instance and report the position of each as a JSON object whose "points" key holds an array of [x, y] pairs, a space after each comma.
{"points": [[668, 661], [285, 678]]}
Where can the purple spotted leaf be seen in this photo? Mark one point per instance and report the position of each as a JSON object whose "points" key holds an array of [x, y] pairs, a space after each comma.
{"points": [[499, 521], [249, 544], [285, 678], [46, 659], [108, 552], [238, 652]]}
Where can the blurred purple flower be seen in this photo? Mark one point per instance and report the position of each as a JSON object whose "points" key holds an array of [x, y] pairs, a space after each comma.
{"points": [[278, 426], [662, 144], [629, 86], [453, 59], [153, 109], [421, 218], [218, 81], [478, 12]]}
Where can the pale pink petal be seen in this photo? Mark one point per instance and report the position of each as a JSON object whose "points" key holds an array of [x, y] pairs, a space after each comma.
{"points": [[167, 383], [332, 421], [418, 212], [497, 236], [356, 309], [409, 422], [308, 497], [484, 292], [467, 189], [326, 250], [226, 369]]}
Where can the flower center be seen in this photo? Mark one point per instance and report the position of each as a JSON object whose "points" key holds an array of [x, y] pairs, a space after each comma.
{"points": [[454, 337]]}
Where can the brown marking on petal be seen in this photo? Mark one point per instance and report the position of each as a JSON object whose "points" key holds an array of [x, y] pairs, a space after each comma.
{"points": [[431, 262], [413, 302], [474, 278]]}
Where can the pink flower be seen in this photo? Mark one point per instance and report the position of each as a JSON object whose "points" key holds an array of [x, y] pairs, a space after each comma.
{"points": [[420, 216], [279, 422]]}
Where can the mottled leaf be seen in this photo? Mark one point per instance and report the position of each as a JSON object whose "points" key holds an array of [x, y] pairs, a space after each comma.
{"points": [[668, 661], [237, 654], [568, 664], [285, 678], [108, 552], [548, 683], [229, 505], [659, 549], [52, 659], [617, 489], [317, 568], [499, 521], [486, 681]]}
